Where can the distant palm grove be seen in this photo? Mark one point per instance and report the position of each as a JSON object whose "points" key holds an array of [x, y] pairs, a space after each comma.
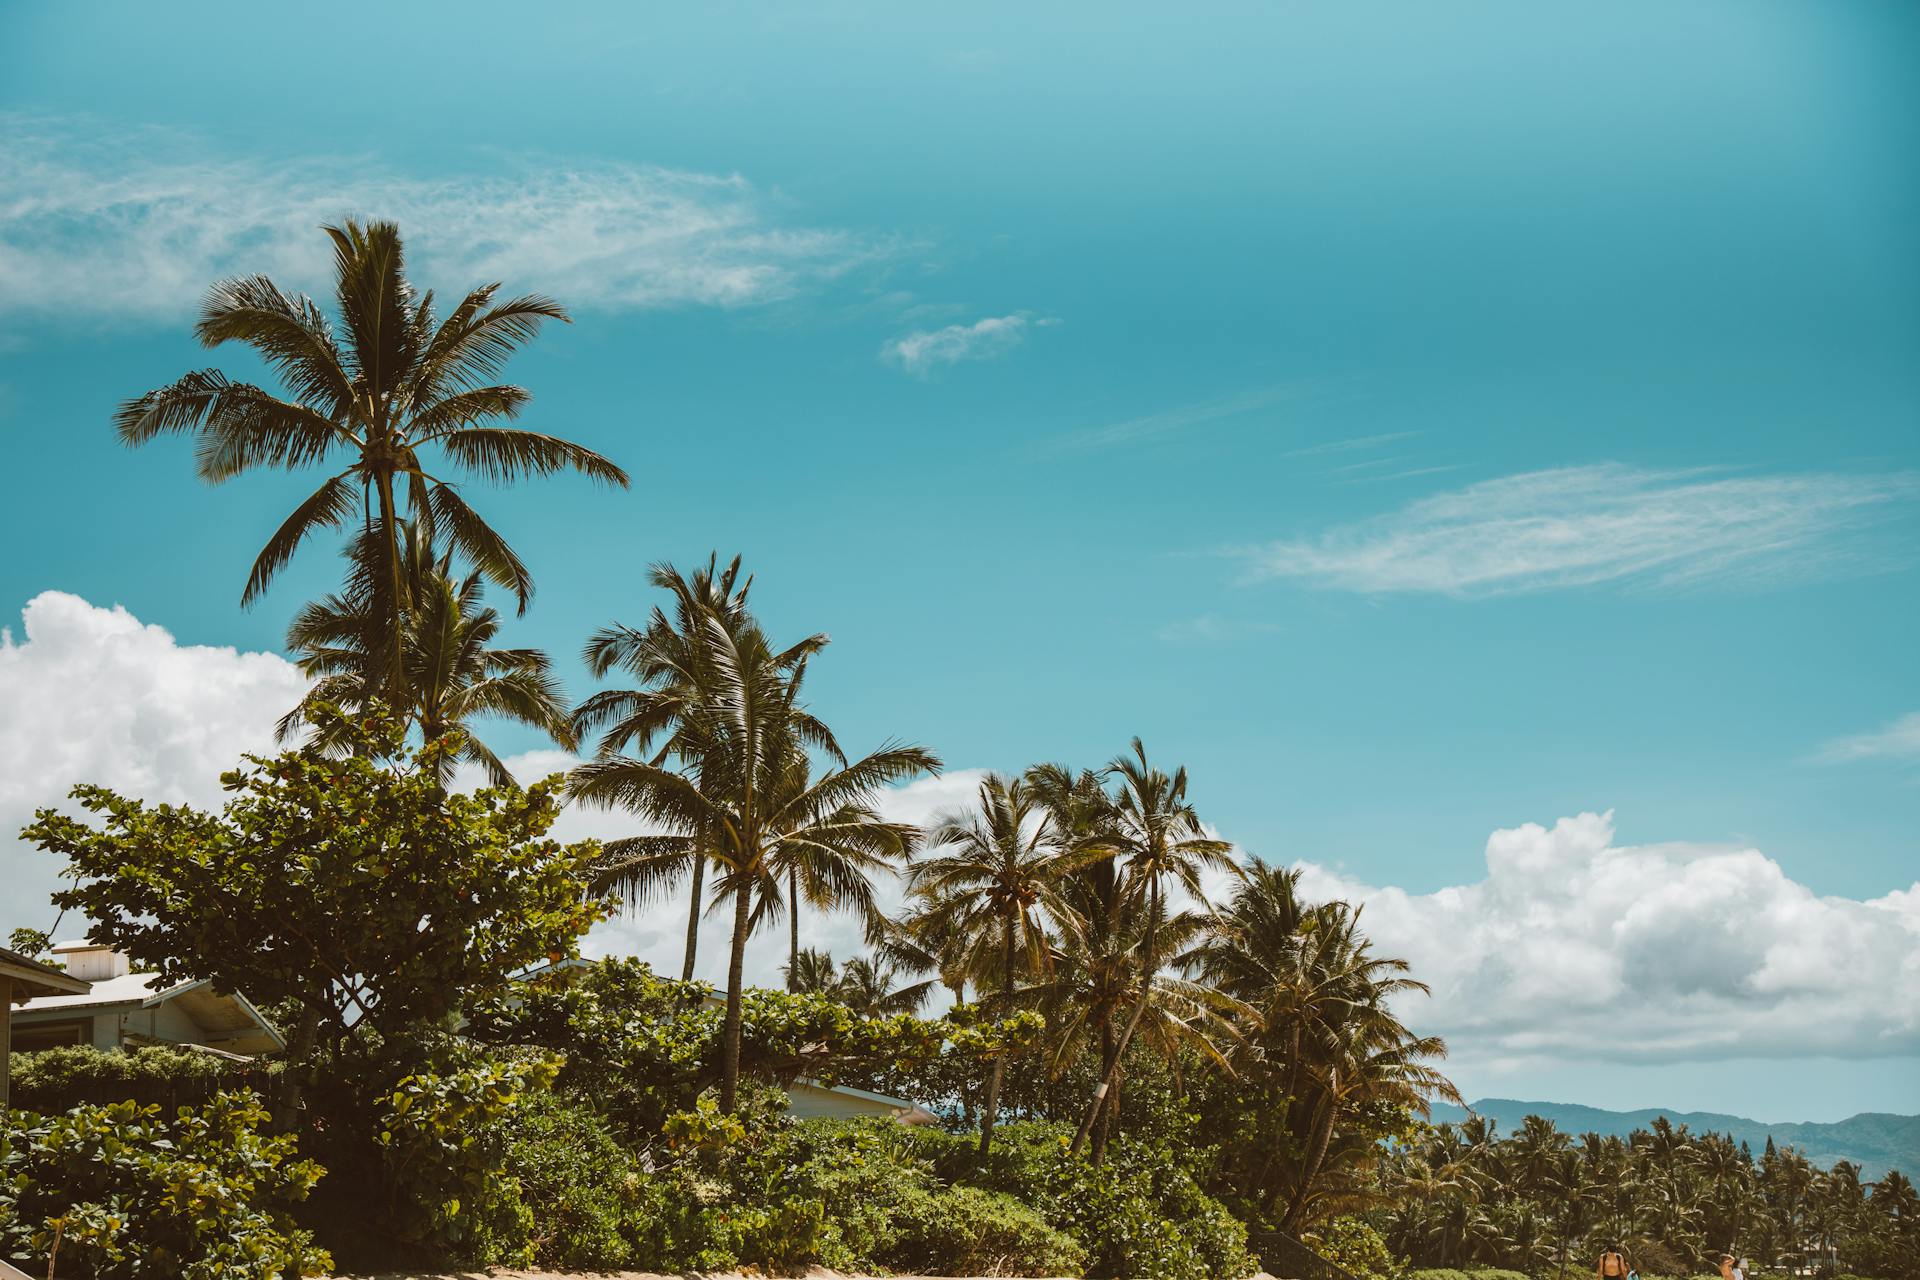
{"points": [[1146, 1054]]}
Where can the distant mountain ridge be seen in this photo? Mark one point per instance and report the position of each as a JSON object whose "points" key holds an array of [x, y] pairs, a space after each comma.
{"points": [[1876, 1141]]}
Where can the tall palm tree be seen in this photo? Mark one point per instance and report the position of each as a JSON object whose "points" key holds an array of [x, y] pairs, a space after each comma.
{"points": [[993, 883], [453, 674], [1156, 837], [1093, 976], [752, 799], [391, 384], [669, 659]]}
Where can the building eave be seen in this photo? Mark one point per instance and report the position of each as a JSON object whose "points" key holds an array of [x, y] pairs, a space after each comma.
{"points": [[36, 979]]}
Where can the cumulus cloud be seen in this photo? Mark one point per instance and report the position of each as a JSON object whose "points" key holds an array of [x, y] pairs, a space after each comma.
{"points": [[91, 694], [1897, 741], [924, 350], [1575, 948], [137, 223], [1579, 526]]}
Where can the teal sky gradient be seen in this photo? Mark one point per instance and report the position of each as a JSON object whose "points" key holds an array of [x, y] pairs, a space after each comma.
{"points": [[1273, 276]]}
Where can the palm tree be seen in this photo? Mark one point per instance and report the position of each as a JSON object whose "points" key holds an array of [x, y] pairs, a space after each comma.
{"points": [[812, 972], [992, 885], [867, 986], [1155, 836], [453, 675], [392, 383], [669, 659], [1093, 975], [864, 984], [922, 942], [750, 798]]}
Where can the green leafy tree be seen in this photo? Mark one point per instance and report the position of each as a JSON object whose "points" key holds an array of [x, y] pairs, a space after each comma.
{"points": [[392, 384], [355, 886]]}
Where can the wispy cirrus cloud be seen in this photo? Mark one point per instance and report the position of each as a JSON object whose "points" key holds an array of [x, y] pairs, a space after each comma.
{"points": [[1580, 526], [1350, 444], [925, 350], [1899, 740], [136, 223], [1167, 421], [1212, 628]]}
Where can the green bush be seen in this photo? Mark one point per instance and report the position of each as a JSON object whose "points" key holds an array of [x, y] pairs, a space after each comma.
{"points": [[443, 1140], [1354, 1244], [54, 1081], [128, 1195], [1467, 1273], [590, 1203], [965, 1231], [1142, 1213]]}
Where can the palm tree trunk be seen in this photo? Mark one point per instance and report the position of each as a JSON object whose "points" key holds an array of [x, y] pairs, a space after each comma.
{"points": [[1109, 1119], [1112, 1077], [1316, 1155], [693, 917], [991, 1106], [736, 970], [397, 669], [793, 928]]}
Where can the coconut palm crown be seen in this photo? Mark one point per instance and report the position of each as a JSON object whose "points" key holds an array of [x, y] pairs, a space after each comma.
{"points": [[369, 401]]}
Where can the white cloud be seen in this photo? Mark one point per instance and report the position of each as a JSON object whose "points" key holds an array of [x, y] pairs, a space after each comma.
{"points": [[1579, 526], [1349, 445], [1179, 418], [1898, 741], [138, 224], [1575, 949], [92, 695], [923, 350]]}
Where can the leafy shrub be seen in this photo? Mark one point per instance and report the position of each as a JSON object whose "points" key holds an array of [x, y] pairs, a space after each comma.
{"points": [[444, 1146], [1142, 1213], [588, 1201], [1354, 1244], [202, 1197], [1465, 1273], [967, 1231], [53, 1081]]}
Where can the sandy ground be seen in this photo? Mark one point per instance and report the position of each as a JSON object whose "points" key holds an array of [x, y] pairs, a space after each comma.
{"points": [[816, 1274]]}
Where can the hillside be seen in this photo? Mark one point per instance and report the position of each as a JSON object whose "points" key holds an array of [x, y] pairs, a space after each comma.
{"points": [[1874, 1140]]}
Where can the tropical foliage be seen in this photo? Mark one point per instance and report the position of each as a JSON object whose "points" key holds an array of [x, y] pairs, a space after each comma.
{"points": [[1156, 1057], [117, 1192], [393, 384], [1672, 1199]]}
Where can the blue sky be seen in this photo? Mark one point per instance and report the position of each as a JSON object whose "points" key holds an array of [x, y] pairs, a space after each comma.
{"points": [[1421, 422]]}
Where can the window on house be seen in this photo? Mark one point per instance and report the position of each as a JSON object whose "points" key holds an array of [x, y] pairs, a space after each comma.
{"points": [[52, 1035]]}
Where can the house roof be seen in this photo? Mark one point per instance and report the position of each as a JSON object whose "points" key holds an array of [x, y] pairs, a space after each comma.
{"points": [[37, 979], [229, 1015]]}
